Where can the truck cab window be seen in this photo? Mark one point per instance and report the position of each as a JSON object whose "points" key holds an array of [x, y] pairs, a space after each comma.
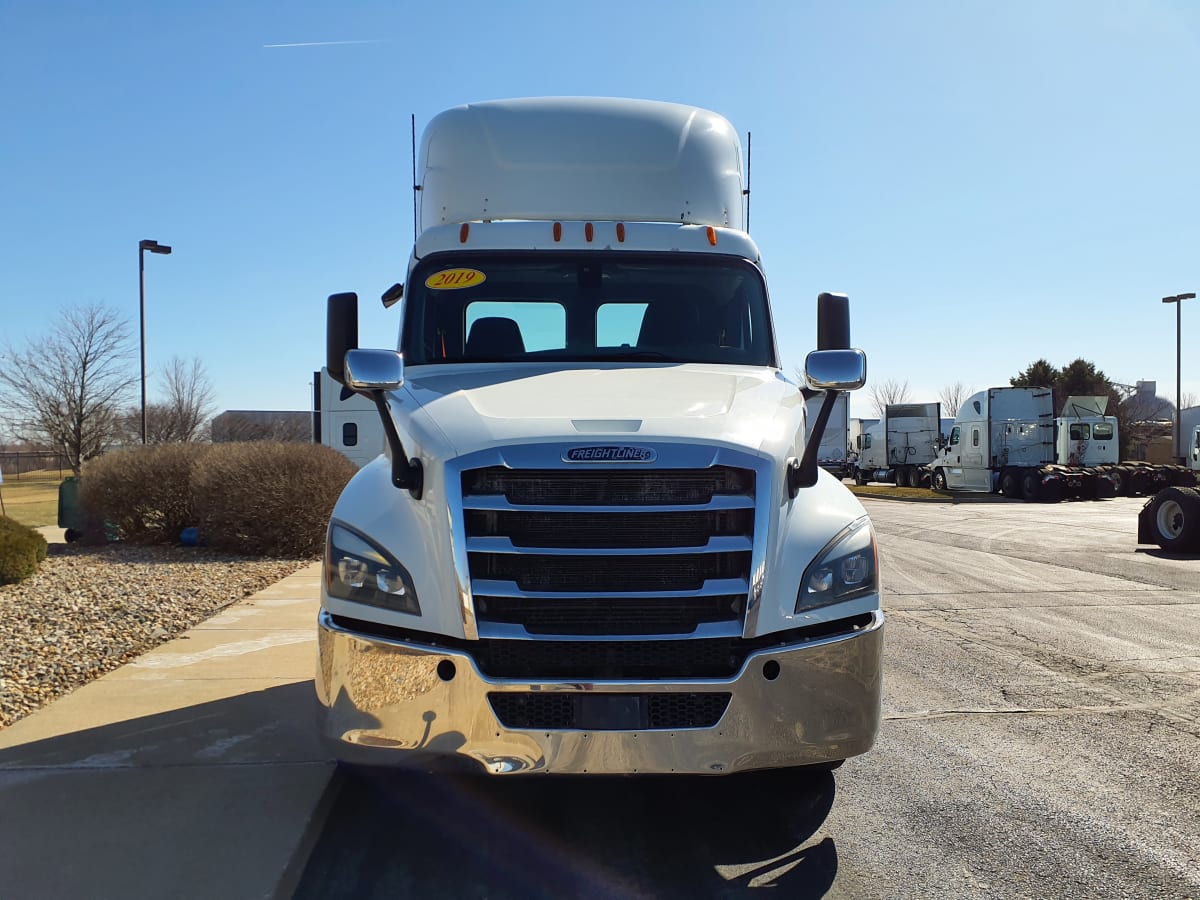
{"points": [[1081, 431], [587, 307], [954, 436], [1102, 431]]}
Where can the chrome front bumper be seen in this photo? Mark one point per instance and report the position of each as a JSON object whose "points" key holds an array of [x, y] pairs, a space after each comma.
{"points": [[394, 702]]}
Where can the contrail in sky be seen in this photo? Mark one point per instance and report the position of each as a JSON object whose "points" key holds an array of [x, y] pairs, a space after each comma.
{"points": [[321, 44]]}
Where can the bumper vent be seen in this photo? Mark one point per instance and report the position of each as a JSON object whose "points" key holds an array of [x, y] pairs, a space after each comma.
{"points": [[598, 615], [609, 712]]}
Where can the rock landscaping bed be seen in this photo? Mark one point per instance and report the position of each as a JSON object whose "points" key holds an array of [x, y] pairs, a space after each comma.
{"points": [[89, 610]]}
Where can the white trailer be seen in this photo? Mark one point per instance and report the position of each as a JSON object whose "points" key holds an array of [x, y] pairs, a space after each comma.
{"points": [[345, 421], [599, 540], [1189, 431], [834, 450], [899, 449]]}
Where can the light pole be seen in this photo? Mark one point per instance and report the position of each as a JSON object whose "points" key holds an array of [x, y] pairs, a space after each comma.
{"points": [[1178, 301], [153, 247]]}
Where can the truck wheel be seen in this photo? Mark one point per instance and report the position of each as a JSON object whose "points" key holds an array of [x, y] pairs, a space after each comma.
{"points": [[1175, 519], [939, 480], [1120, 481], [1031, 486], [1010, 483], [859, 478]]}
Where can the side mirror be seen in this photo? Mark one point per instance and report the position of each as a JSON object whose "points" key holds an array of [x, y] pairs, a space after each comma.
{"points": [[835, 370], [341, 333], [374, 370], [833, 322]]}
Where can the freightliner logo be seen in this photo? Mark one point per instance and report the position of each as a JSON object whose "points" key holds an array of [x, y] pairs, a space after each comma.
{"points": [[610, 454]]}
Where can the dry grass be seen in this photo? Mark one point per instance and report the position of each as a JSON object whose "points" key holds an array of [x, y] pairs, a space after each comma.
{"points": [[33, 500], [891, 492]]}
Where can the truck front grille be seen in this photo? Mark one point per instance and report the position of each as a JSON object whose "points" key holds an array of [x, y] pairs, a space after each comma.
{"points": [[578, 487], [609, 551], [609, 712]]}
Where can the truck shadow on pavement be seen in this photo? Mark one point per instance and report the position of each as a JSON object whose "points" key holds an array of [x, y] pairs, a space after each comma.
{"points": [[409, 834]]}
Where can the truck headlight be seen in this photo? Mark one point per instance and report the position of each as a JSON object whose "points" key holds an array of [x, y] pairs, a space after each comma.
{"points": [[356, 569], [846, 568]]}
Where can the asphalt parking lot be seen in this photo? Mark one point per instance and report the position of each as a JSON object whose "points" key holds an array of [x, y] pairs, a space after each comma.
{"points": [[1042, 723]]}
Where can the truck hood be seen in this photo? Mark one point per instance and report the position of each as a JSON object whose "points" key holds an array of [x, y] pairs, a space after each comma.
{"points": [[485, 406]]}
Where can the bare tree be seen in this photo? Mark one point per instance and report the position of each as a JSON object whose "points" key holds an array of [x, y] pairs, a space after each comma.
{"points": [[189, 402], [952, 397], [1140, 418], [885, 393], [66, 391], [1188, 400], [262, 425]]}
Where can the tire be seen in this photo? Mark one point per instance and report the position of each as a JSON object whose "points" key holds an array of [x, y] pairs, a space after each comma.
{"points": [[939, 479], [859, 478], [904, 477], [1119, 479], [1031, 485], [1175, 519], [1010, 483]]}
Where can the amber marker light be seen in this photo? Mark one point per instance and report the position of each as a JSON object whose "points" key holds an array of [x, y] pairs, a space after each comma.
{"points": [[558, 231], [463, 232], [620, 232], [712, 235], [588, 231]]}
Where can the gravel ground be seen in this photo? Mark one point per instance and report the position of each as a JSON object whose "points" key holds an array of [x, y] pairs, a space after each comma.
{"points": [[89, 610]]}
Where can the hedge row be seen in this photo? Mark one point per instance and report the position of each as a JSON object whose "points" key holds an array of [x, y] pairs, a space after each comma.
{"points": [[21, 551], [258, 498]]}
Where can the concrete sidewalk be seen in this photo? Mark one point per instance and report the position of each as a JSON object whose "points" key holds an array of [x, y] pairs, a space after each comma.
{"points": [[193, 771]]}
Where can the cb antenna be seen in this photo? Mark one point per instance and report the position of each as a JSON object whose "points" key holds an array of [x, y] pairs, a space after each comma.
{"points": [[746, 192], [416, 187]]}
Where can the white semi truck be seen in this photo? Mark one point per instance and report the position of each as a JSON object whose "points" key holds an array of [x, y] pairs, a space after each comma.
{"points": [[899, 448], [599, 541], [1003, 439]]}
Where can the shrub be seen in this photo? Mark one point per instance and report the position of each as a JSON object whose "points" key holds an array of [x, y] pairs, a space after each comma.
{"points": [[141, 494], [21, 550], [268, 498]]}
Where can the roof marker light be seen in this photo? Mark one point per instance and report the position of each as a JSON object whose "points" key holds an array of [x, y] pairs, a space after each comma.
{"points": [[712, 235], [558, 231], [587, 232], [463, 232], [620, 232]]}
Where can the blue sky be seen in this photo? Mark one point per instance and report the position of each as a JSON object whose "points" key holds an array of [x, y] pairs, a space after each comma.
{"points": [[991, 183]]}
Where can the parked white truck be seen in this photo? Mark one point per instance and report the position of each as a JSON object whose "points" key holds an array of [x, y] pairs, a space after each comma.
{"points": [[1171, 518], [598, 542], [899, 448], [1003, 439]]}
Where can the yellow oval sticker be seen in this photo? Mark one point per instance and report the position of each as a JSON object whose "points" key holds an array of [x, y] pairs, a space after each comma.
{"points": [[453, 279]]}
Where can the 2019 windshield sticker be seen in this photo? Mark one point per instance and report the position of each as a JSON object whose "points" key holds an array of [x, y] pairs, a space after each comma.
{"points": [[454, 279]]}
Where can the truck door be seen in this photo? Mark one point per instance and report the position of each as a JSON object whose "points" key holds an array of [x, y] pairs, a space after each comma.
{"points": [[967, 460], [954, 471]]}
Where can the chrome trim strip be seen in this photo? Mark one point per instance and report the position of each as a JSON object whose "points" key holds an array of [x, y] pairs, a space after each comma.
{"points": [[731, 628], [714, 587], [724, 544], [498, 503]]}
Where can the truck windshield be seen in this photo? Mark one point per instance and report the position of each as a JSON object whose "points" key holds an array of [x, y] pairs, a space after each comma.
{"points": [[596, 307]]}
